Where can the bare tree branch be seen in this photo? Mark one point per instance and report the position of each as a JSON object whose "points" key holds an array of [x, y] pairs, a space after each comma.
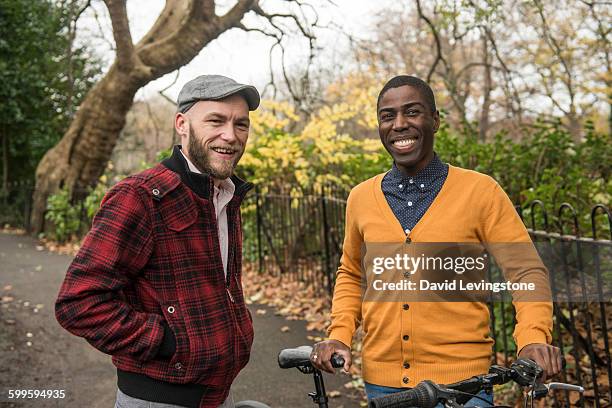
{"points": [[232, 18], [121, 32], [162, 92], [434, 31], [554, 45], [101, 31]]}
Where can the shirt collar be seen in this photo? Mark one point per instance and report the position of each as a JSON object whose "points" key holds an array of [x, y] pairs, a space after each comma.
{"points": [[434, 169]]}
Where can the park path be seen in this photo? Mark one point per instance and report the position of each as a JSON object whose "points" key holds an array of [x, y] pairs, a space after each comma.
{"points": [[36, 353]]}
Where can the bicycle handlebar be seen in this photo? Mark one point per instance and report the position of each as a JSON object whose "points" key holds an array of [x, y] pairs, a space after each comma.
{"points": [[300, 357], [427, 394], [424, 395]]}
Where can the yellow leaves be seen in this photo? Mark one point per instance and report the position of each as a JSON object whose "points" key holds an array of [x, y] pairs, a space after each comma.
{"points": [[324, 149], [272, 115]]}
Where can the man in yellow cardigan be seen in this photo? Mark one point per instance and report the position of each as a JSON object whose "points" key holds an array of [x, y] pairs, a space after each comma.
{"points": [[423, 200]]}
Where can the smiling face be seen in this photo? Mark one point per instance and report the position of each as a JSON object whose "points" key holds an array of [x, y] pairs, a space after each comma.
{"points": [[214, 134], [406, 126]]}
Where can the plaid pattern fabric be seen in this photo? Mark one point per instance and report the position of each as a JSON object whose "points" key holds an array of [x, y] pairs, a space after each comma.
{"points": [[151, 256]]}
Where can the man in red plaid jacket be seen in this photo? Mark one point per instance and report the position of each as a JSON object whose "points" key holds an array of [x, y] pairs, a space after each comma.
{"points": [[157, 283]]}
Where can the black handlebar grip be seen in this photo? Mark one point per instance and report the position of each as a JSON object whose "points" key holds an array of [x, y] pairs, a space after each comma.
{"points": [[337, 361], [424, 395]]}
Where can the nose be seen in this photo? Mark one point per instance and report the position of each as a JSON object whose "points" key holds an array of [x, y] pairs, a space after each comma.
{"points": [[400, 123], [228, 133]]}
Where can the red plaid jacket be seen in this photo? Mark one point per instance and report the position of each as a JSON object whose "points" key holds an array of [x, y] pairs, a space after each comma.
{"points": [[152, 259]]}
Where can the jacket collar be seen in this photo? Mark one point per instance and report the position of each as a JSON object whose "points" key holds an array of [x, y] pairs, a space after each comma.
{"points": [[201, 184]]}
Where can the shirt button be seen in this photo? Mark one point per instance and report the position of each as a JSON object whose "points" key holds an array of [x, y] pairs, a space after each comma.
{"points": [[411, 181], [405, 380], [170, 309], [422, 185], [401, 186], [406, 364], [405, 337], [409, 203], [178, 366], [406, 306]]}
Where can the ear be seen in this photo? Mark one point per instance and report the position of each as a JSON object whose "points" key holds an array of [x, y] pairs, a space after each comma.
{"points": [[436, 118], [181, 124]]}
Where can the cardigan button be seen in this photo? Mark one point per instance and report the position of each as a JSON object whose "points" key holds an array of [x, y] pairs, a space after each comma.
{"points": [[405, 380], [405, 337], [406, 306], [406, 364]]}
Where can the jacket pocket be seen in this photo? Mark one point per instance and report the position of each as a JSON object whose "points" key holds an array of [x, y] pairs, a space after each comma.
{"points": [[245, 334], [178, 365], [178, 222]]}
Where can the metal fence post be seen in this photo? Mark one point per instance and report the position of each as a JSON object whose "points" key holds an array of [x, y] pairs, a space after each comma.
{"points": [[326, 242], [258, 221]]}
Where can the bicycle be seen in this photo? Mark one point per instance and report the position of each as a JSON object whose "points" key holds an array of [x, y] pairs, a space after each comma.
{"points": [[428, 394], [300, 358]]}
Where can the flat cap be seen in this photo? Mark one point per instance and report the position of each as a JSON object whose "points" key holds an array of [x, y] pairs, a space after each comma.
{"points": [[212, 88]]}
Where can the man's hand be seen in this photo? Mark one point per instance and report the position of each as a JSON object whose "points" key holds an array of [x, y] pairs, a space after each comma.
{"points": [[322, 352], [546, 356]]}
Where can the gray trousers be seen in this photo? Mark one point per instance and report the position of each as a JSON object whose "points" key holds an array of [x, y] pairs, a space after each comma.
{"points": [[125, 401]]}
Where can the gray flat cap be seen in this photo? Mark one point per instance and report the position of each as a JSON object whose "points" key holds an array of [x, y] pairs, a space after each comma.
{"points": [[212, 88]]}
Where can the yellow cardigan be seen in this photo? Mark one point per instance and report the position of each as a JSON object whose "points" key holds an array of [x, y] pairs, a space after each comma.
{"points": [[447, 341]]}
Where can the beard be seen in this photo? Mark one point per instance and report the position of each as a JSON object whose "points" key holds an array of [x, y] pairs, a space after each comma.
{"points": [[199, 156]]}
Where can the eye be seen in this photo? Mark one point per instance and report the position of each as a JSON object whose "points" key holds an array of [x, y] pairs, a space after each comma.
{"points": [[412, 112], [386, 116]]}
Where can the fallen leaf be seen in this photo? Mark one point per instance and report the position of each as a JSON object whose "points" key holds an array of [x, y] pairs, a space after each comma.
{"points": [[261, 311], [334, 394], [8, 287], [40, 248], [38, 268], [285, 329], [7, 299]]}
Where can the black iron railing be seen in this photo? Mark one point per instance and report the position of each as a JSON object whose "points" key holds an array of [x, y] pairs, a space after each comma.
{"points": [[300, 237]]}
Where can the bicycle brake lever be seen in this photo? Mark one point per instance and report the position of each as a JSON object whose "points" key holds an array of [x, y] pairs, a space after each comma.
{"points": [[563, 386], [541, 390]]}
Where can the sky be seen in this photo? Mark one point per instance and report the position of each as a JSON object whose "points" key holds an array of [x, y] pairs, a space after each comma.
{"points": [[244, 56]]}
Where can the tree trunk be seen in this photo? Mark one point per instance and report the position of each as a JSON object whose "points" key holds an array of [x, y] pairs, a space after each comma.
{"points": [[5, 164], [488, 86], [80, 157], [183, 28]]}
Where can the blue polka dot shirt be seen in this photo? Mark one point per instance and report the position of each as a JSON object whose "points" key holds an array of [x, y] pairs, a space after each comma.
{"points": [[411, 196]]}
